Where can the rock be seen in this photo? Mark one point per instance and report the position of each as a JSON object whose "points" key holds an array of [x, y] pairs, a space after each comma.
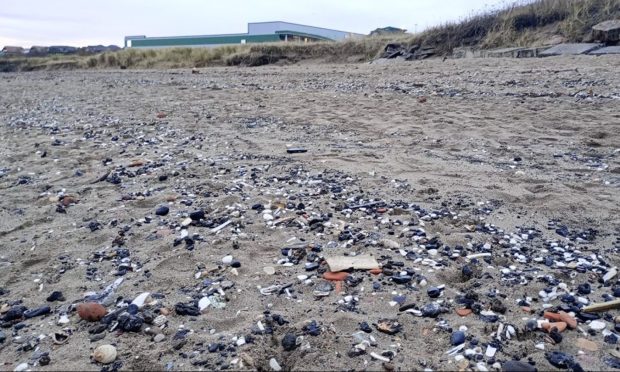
{"points": [[269, 270], [21, 367], [227, 260], [159, 337], [129, 322], [55, 296], [289, 342], [584, 344], [431, 310], [365, 327], [37, 312], [105, 354], [197, 215], [517, 366], [389, 326], [463, 312], [186, 309], [548, 326], [91, 311], [433, 292], [559, 359], [457, 338], [597, 325], [162, 210], [274, 365], [14, 313], [2, 337]]}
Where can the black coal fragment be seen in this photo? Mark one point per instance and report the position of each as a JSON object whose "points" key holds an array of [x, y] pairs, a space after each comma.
{"points": [[187, 309]]}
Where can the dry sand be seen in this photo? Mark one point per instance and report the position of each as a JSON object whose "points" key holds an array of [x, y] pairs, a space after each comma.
{"points": [[440, 135]]}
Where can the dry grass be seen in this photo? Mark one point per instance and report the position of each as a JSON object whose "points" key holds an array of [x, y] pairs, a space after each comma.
{"points": [[522, 23], [526, 22]]}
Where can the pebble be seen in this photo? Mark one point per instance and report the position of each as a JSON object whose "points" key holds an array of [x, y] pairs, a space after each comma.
{"points": [[140, 300], [105, 354], [517, 366], [21, 367], [227, 260], [162, 210], [269, 270], [159, 337], [91, 311], [597, 325], [55, 296], [289, 342], [274, 365], [457, 338]]}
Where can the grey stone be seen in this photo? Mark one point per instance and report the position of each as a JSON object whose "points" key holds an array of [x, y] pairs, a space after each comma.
{"points": [[570, 49]]}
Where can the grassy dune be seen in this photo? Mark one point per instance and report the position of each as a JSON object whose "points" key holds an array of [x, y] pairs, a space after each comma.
{"points": [[518, 24]]}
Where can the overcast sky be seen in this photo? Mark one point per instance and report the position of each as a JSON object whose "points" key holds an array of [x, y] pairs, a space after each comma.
{"points": [[82, 22]]}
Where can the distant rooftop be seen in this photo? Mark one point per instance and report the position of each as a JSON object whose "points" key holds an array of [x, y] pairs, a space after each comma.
{"points": [[257, 32]]}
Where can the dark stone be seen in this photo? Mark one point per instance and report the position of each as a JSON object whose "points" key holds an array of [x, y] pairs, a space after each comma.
{"points": [[197, 215], [517, 366], [365, 327], [162, 210], [311, 266], [431, 310], [14, 313], [612, 362], [584, 289], [457, 338], [289, 342], [130, 323], [489, 318], [555, 335], [559, 359], [132, 309], [55, 296], [312, 329], [44, 359], [187, 309], [401, 279], [433, 292], [97, 329], [37, 312], [2, 337], [235, 263]]}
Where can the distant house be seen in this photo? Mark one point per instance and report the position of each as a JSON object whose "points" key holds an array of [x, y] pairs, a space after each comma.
{"points": [[38, 51], [62, 49], [387, 31], [12, 50]]}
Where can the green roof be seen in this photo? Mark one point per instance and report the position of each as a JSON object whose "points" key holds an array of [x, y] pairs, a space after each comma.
{"points": [[203, 40]]}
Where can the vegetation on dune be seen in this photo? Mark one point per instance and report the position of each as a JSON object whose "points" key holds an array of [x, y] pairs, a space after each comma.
{"points": [[527, 22]]}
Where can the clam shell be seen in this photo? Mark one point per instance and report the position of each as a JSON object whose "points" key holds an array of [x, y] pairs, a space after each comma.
{"points": [[105, 354]]}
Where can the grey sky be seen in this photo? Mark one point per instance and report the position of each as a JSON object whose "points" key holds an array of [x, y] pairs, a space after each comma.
{"points": [[79, 22]]}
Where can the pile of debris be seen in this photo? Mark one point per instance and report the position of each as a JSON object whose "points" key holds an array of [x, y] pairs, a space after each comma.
{"points": [[408, 53]]}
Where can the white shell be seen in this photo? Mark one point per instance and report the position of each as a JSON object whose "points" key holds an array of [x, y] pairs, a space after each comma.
{"points": [[105, 354], [141, 299]]}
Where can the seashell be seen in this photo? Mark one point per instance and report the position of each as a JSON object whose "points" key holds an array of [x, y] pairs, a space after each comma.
{"points": [[60, 338], [141, 299], [105, 354]]}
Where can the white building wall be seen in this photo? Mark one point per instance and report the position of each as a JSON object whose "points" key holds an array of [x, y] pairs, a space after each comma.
{"points": [[262, 28]]}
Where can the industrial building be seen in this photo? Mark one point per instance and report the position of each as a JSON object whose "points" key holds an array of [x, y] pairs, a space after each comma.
{"points": [[258, 32]]}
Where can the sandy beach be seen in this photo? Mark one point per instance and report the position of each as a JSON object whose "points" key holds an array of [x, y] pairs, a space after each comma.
{"points": [[420, 165]]}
